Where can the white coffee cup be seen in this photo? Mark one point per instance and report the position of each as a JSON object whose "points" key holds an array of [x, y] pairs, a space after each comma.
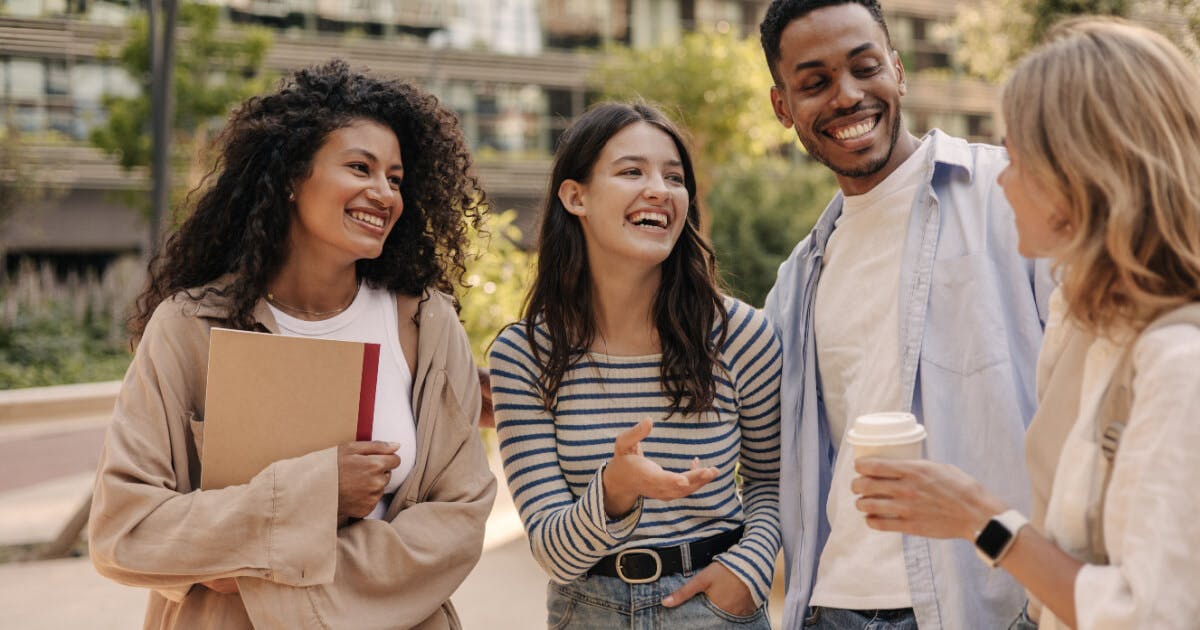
{"points": [[889, 434]]}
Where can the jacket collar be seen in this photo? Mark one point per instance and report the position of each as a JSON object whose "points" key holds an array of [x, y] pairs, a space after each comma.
{"points": [[211, 302], [435, 314], [950, 151], [945, 151]]}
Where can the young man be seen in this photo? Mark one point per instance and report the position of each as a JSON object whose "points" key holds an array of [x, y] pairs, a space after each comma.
{"points": [[908, 295]]}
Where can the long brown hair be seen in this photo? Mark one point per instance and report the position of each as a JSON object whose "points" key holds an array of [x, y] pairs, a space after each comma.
{"points": [[1108, 113], [688, 304]]}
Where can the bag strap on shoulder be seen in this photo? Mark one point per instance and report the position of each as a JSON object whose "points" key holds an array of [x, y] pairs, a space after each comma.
{"points": [[1115, 409]]}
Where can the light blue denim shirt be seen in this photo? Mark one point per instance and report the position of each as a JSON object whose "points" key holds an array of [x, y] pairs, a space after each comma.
{"points": [[971, 316]]}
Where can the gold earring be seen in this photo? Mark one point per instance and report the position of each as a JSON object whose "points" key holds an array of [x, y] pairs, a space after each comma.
{"points": [[292, 196]]}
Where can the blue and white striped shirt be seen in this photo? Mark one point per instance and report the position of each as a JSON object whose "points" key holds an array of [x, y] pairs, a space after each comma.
{"points": [[553, 459]]}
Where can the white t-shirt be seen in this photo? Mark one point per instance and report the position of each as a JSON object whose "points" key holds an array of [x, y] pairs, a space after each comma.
{"points": [[371, 318], [856, 319]]}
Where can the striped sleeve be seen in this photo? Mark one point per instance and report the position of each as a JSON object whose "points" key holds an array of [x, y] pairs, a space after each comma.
{"points": [[567, 534], [753, 356]]}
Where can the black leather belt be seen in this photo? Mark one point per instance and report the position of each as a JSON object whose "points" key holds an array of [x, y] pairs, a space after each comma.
{"points": [[641, 565]]}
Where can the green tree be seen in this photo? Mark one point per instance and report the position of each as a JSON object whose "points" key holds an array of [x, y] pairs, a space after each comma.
{"points": [[213, 71], [994, 34], [714, 84], [17, 185], [761, 209], [498, 279]]}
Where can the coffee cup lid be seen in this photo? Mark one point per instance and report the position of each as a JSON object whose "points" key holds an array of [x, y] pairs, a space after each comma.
{"points": [[880, 429]]}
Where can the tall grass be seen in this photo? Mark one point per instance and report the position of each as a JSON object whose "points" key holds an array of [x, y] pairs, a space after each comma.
{"points": [[71, 329]]}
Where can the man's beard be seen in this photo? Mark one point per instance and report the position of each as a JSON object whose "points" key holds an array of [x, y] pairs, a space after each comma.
{"points": [[865, 170]]}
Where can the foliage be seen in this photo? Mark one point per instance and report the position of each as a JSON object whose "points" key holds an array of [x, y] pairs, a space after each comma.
{"points": [[16, 181], [212, 72], [994, 34], [760, 210], [714, 84], [56, 331], [499, 279]]}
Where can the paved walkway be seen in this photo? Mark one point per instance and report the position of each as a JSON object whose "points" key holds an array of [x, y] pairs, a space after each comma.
{"points": [[506, 591]]}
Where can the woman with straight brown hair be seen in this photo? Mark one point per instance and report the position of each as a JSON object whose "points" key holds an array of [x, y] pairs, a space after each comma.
{"points": [[631, 391], [1103, 124]]}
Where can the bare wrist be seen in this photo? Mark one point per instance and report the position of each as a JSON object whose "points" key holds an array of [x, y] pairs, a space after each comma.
{"points": [[983, 509], [618, 501]]}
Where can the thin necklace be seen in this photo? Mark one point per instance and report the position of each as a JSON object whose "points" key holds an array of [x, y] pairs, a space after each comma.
{"points": [[273, 300]]}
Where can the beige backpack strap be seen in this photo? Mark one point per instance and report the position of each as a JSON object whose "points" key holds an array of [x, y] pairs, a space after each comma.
{"points": [[1114, 414]]}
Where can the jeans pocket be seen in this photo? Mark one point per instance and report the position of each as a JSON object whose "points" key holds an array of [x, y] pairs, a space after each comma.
{"points": [[560, 607], [730, 617], [814, 616]]}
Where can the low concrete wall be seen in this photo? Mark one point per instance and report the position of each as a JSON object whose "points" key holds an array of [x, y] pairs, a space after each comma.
{"points": [[58, 402]]}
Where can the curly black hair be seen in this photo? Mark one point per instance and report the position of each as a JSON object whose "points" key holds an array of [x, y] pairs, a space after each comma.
{"points": [[784, 12], [240, 222]]}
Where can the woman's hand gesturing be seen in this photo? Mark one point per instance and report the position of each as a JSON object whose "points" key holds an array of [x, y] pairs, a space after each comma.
{"points": [[630, 475]]}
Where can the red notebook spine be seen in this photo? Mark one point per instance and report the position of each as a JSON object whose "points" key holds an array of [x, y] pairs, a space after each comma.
{"points": [[366, 392]]}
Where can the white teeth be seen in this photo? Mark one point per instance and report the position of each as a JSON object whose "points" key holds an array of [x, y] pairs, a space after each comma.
{"points": [[367, 218], [655, 219], [855, 131]]}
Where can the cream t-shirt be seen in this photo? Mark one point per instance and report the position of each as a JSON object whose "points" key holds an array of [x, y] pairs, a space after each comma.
{"points": [[856, 319]]}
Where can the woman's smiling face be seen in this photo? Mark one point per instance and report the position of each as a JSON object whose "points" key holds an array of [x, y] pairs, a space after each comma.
{"points": [[634, 204], [347, 206]]}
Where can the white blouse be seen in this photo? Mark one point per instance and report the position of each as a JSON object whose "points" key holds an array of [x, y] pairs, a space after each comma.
{"points": [[1152, 511]]}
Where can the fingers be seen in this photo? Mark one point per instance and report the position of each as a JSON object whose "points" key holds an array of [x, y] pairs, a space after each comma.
{"points": [[883, 468], [697, 477], [666, 486], [374, 447], [877, 487], [628, 441], [882, 508], [690, 589]]}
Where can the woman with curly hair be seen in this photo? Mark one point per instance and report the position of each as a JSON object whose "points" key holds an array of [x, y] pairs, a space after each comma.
{"points": [[630, 392], [1103, 132], [339, 210]]}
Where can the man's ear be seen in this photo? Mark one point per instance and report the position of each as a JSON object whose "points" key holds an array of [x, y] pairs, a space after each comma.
{"points": [[900, 79], [570, 193], [779, 104]]}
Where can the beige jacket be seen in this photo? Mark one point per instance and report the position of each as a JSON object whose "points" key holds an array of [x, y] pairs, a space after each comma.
{"points": [[278, 534]]}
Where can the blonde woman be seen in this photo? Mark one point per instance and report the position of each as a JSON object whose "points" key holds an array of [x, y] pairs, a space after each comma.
{"points": [[1104, 136]]}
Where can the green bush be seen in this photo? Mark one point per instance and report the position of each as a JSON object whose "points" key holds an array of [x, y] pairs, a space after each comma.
{"points": [[57, 331], [760, 209], [498, 279]]}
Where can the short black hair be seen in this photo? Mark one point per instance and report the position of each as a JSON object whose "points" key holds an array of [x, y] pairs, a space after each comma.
{"points": [[783, 12]]}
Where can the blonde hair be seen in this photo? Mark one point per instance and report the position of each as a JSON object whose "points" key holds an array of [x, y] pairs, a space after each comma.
{"points": [[1107, 115]]}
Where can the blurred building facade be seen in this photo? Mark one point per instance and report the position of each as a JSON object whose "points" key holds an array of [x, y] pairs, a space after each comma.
{"points": [[515, 71]]}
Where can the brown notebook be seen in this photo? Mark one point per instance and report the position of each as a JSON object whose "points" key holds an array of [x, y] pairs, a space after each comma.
{"points": [[272, 397]]}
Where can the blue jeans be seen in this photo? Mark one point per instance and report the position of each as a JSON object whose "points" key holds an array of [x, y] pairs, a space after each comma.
{"points": [[842, 619], [599, 601]]}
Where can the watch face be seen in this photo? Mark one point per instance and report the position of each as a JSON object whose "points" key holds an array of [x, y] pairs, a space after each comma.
{"points": [[993, 538]]}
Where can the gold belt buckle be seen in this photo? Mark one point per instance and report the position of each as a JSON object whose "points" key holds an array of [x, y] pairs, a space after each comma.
{"points": [[650, 552]]}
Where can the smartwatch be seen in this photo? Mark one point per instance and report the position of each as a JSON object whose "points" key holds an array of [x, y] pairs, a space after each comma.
{"points": [[994, 541]]}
